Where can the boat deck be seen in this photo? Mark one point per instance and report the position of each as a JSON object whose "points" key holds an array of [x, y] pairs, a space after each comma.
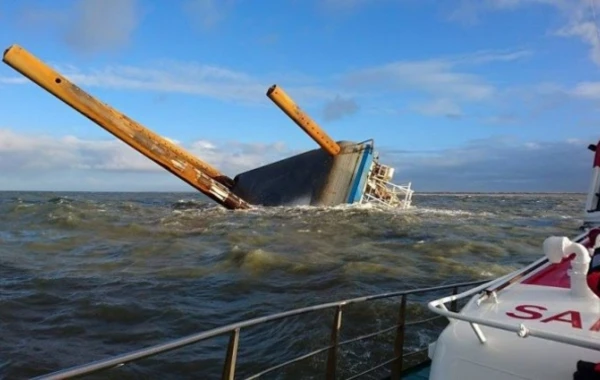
{"points": [[552, 302], [420, 374]]}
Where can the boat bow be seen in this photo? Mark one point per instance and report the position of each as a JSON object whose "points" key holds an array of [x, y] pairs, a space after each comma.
{"points": [[552, 302]]}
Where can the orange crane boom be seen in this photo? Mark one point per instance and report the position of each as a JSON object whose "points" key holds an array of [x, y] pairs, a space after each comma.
{"points": [[184, 165], [287, 105]]}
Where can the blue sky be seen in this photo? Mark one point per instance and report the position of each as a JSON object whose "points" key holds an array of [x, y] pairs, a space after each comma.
{"points": [[459, 95]]}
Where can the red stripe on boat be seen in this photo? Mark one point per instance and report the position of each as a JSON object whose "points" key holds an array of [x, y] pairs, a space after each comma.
{"points": [[555, 275]]}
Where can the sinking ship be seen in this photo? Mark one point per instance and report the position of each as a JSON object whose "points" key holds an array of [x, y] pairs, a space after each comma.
{"points": [[338, 172]]}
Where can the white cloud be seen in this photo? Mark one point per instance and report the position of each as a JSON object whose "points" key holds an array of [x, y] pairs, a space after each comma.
{"points": [[469, 11], [89, 31], [497, 164], [440, 107], [83, 24], [339, 108], [24, 152], [36, 162], [433, 77], [233, 157], [443, 81], [185, 78], [31, 154], [489, 56], [208, 13], [13, 80], [583, 24], [528, 102], [172, 77], [177, 142], [581, 17], [587, 90]]}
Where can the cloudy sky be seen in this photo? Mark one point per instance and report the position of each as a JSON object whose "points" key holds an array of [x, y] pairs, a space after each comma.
{"points": [[459, 95]]}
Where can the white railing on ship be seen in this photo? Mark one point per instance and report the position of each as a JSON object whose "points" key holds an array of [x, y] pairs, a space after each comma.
{"points": [[396, 362], [397, 191], [439, 307]]}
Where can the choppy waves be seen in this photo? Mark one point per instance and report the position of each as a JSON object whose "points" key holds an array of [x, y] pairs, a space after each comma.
{"points": [[87, 275]]}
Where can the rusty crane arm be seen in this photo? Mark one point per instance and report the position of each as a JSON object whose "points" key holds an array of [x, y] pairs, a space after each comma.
{"points": [[290, 108], [187, 167]]}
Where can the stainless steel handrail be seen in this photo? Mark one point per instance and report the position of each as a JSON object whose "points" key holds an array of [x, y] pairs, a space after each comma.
{"points": [[234, 331], [439, 307]]}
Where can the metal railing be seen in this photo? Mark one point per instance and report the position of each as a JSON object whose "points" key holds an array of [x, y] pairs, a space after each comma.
{"points": [[490, 291], [438, 306], [396, 362], [389, 194]]}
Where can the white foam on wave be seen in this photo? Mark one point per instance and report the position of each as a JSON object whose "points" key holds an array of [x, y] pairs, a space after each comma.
{"points": [[367, 208], [447, 212]]}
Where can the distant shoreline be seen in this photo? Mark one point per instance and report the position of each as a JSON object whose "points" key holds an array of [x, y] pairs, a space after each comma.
{"points": [[497, 192], [429, 193]]}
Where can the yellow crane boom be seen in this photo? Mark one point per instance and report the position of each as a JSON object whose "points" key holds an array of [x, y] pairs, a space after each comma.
{"points": [[290, 108], [184, 165]]}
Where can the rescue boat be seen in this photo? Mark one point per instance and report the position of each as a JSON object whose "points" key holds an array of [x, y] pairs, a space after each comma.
{"points": [[540, 322]]}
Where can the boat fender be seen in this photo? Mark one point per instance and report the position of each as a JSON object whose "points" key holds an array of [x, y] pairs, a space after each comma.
{"points": [[587, 371]]}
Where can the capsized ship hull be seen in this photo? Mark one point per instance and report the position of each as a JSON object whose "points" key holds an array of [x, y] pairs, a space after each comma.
{"points": [[337, 173]]}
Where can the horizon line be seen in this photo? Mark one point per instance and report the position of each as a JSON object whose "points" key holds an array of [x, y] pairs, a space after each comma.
{"points": [[194, 191]]}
